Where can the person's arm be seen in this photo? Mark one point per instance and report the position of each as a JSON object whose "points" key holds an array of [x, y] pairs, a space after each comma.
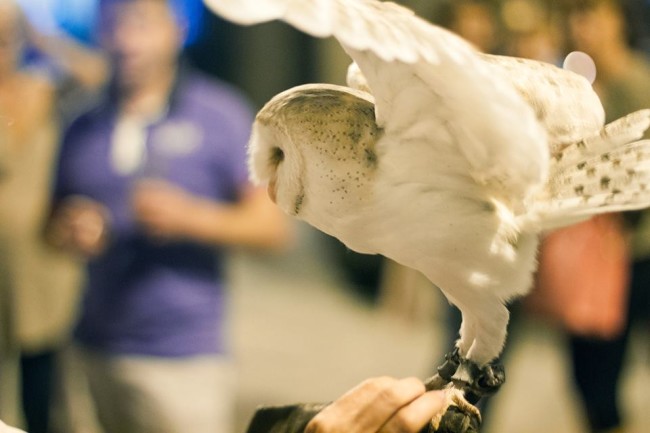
{"points": [[87, 66], [168, 212]]}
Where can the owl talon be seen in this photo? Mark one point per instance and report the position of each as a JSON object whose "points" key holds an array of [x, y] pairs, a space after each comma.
{"points": [[459, 416], [456, 421], [491, 378], [478, 381], [467, 376]]}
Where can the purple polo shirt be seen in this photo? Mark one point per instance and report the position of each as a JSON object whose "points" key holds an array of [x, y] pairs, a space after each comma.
{"points": [[145, 297]]}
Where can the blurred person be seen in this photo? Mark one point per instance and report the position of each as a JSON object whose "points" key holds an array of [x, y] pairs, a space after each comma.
{"points": [[582, 279], [38, 285], [583, 275], [474, 20], [78, 72], [598, 27], [151, 186], [638, 24], [533, 31]]}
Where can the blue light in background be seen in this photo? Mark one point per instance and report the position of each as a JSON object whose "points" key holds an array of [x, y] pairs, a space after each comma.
{"points": [[192, 12], [77, 17]]}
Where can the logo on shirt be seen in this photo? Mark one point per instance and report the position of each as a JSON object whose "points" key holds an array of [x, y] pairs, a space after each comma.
{"points": [[176, 138], [136, 148]]}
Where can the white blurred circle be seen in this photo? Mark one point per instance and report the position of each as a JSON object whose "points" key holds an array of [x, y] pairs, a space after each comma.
{"points": [[581, 64]]}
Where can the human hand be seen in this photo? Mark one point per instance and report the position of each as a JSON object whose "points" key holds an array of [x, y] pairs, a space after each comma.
{"points": [[380, 405], [80, 225], [162, 208]]}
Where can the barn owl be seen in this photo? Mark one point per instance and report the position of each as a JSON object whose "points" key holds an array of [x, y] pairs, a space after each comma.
{"points": [[441, 158]]}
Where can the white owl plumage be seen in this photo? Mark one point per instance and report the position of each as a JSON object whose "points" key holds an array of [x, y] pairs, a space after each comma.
{"points": [[444, 159]]}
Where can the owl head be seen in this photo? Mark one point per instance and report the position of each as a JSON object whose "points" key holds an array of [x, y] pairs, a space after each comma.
{"points": [[314, 145]]}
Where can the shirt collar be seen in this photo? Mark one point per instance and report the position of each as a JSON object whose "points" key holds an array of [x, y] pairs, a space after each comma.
{"points": [[182, 71]]}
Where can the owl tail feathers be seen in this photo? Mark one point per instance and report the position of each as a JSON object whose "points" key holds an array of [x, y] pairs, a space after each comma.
{"points": [[606, 172]]}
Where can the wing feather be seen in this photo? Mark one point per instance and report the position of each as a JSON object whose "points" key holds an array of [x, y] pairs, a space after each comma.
{"points": [[248, 12], [420, 73]]}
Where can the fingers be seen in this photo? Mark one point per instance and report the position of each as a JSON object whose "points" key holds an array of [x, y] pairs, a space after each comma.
{"points": [[146, 190], [88, 231], [161, 209], [387, 397], [145, 197], [80, 224], [369, 406], [414, 416]]}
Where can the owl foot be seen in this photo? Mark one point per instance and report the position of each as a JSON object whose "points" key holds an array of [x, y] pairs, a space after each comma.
{"points": [[467, 376], [465, 383], [478, 382], [459, 415]]}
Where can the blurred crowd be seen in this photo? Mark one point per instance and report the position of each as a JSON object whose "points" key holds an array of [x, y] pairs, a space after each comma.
{"points": [[139, 184], [123, 187]]}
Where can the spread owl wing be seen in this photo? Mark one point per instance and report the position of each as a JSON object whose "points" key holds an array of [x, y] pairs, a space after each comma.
{"points": [[426, 81]]}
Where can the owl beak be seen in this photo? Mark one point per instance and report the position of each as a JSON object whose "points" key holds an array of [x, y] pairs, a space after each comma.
{"points": [[271, 189]]}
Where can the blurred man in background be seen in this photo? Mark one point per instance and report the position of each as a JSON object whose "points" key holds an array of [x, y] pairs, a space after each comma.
{"points": [[598, 27], [476, 21], [151, 185]]}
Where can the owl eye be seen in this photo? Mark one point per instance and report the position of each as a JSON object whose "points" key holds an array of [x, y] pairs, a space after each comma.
{"points": [[277, 156]]}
